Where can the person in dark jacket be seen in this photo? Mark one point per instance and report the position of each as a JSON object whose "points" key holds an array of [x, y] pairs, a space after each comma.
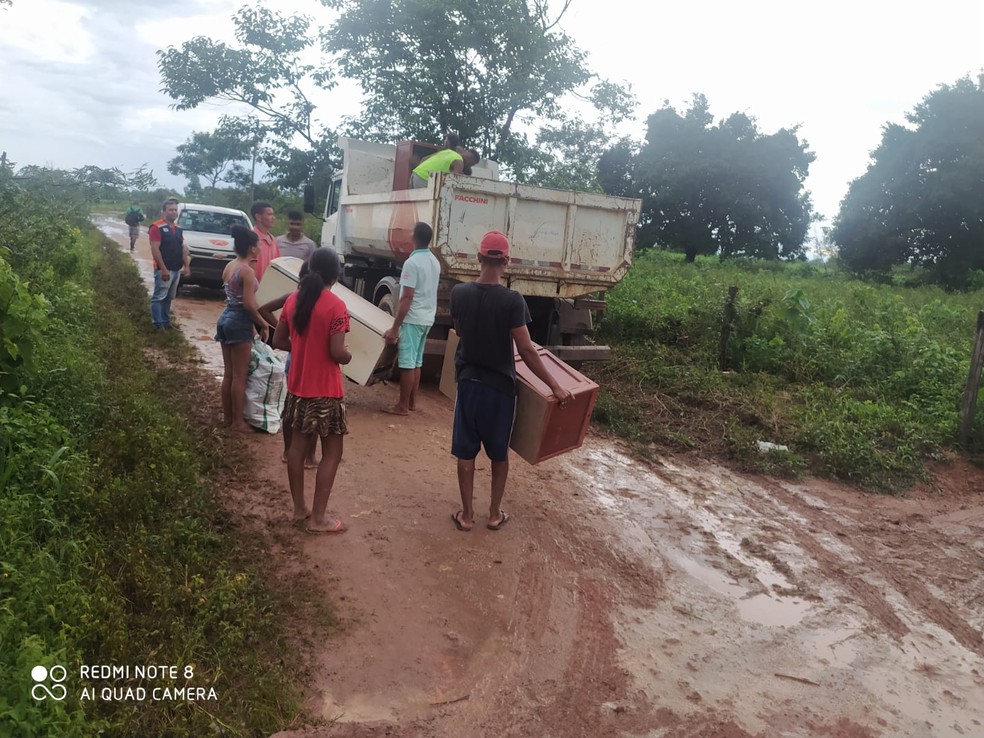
{"points": [[133, 217], [171, 260]]}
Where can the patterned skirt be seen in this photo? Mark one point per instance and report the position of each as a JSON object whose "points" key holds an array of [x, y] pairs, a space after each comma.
{"points": [[324, 416]]}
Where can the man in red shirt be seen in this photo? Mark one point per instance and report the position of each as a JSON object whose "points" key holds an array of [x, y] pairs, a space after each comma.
{"points": [[263, 215], [171, 260]]}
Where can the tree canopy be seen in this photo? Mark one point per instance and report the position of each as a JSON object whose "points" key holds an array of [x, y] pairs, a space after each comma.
{"points": [[211, 155], [495, 73], [709, 188], [921, 200], [89, 183], [265, 73], [490, 71]]}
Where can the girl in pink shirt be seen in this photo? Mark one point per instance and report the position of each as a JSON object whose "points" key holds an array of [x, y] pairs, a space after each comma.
{"points": [[312, 327]]}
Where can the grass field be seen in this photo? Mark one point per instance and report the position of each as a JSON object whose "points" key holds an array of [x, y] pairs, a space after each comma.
{"points": [[114, 548], [861, 382]]}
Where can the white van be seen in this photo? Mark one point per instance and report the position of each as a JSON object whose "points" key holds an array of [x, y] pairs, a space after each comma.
{"points": [[208, 237]]}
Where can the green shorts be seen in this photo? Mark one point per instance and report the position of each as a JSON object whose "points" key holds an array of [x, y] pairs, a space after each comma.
{"points": [[413, 339]]}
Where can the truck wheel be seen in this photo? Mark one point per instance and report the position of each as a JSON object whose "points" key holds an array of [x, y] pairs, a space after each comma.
{"points": [[387, 304]]}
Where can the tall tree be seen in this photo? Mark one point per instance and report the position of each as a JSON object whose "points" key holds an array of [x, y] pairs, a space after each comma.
{"points": [[489, 71], [921, 200], [722, 188], [616, 169], [264, 71], [500, 74], [210, 155]]}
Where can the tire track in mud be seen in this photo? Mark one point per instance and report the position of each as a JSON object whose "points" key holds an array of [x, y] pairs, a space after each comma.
{"points": [[768, 577], [561, 635], [853, 568], [853, 575], [831, 565], [616, 603]]}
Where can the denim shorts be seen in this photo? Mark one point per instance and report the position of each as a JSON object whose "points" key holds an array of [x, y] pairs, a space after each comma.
{"points": [[234, 326]]}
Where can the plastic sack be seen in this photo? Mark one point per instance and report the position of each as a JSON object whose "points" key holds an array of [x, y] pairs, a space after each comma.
{"points": [[266, 388]]}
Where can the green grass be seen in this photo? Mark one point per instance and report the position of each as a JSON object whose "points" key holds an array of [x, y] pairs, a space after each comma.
{"points": [[860, 381], [113, 546]]}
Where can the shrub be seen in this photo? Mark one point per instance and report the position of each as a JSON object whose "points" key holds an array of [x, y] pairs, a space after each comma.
{"points": [[861, 381], [110, 539]]}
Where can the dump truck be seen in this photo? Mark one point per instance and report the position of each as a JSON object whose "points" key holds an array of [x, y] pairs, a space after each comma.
{"points": [[567, 248]]}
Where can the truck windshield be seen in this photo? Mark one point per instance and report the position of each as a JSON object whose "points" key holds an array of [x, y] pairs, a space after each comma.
{"points": [[206, 222]]}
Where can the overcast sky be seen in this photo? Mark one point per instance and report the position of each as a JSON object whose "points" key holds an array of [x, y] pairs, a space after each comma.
{"points": [[79, 82]]}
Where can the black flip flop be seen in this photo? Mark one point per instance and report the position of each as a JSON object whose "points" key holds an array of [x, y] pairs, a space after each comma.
{"points": [[457, 522], [502, 521]]}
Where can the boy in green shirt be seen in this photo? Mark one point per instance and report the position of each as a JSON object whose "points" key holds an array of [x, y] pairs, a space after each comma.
{"points": [[133, 217], [445, 160]]}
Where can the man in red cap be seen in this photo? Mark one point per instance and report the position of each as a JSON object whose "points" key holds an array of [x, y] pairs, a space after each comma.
{"points": [[488, 319]]}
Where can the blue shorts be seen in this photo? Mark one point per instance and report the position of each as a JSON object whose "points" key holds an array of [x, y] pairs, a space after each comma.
{"points": [[483, 415], [413, 339], [234, 326]]}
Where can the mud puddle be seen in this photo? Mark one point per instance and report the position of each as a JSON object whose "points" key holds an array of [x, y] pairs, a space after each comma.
{"points": [[773, 611], [722, 604]]}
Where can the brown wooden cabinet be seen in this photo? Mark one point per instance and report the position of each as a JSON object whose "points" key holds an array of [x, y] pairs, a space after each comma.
{"points": [[408, 155], [542, 428]]}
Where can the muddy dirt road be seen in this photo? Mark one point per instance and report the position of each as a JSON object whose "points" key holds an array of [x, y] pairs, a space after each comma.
{"points": [[623, 599]]}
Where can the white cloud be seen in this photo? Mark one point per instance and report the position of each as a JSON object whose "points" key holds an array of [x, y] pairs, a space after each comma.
{"points": [[86, 88], [841, 69], [48, 30]]}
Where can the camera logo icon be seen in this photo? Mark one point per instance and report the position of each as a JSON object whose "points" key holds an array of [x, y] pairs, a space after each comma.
{"points": [[41, 691]]}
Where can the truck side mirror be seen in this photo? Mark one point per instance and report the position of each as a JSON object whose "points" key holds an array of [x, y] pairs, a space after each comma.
{"points": [[309, 199]]}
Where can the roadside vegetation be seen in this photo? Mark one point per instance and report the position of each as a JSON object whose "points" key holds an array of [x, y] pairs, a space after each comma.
{"points": [[113, 547], [860, 381]]}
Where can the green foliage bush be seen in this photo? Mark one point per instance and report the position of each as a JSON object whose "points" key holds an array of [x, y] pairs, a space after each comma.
{"points": [[860, 381], [22, 322], [111, 543]]}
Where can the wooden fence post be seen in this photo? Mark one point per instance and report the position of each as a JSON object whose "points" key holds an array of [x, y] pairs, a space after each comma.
{"points": [[968, 405], [727, 325]]}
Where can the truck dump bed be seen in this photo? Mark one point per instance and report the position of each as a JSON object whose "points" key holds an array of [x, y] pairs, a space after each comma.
{"points": [[564, 244]]}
